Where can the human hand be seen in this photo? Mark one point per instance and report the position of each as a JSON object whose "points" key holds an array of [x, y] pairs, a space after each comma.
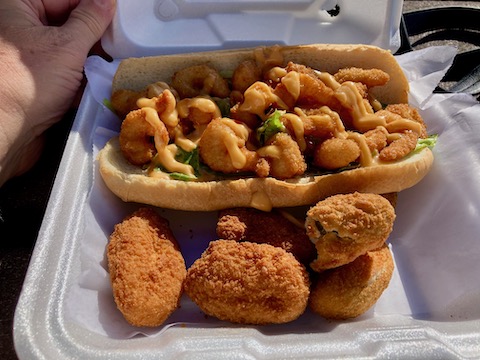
{"points": [[43, 47]]}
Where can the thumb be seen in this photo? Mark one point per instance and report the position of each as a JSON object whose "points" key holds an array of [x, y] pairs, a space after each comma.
{"points": [[88, 21]]}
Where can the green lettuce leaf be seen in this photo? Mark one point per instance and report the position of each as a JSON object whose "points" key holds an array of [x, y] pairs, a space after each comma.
{"points": [[270, 127], [430, 142], [109, 105]]}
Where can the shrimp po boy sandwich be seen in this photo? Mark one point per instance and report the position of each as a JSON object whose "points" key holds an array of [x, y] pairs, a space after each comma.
{"points": [[265, 127]]}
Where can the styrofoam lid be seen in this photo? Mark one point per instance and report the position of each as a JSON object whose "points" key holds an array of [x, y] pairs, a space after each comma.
{"points": [[153, 27]]}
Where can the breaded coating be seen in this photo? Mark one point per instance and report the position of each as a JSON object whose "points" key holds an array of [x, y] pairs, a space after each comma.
{"points": [[123, 101], [344, 227], [248, 224], [376, 139], [248, 283], [314, 92], [350, 290], [336, 153], [369, 77], [289, 162], [408, 112], [399, 148], [146, 268]]}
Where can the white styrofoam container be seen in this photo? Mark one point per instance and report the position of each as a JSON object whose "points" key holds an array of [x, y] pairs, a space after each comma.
{"points": [[41, 329], [153, 27]]}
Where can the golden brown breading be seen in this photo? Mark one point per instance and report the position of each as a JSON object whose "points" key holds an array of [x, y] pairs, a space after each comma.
{"points": [[407, 112], [248, 283], [376, 139], [124, 101], [369, 77], [350, 290], [399, 148], [336, 153], [344, 227], [289, 162], [146, 268], [247, 224]]}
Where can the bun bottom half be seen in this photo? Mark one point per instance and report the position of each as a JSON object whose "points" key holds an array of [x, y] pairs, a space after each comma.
{"points": [[131, 184]]}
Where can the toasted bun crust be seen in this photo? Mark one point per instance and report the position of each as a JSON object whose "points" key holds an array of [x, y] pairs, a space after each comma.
{"points": [[130, 184], [136, 73]]}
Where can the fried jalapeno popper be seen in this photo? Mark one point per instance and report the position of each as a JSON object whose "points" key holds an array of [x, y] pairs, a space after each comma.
{"points": [[248, 283], [246, 224], [343, 227], [146, 268], [350, 290]]}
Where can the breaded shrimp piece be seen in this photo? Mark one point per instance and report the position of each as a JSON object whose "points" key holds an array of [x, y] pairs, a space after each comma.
{"points": [[313, 93], [245, 74], [223, 147], [248, 283], [200, 80], [344, 227], [146, 268], [286, 160], [350, 290], [335, 153], [369, 77], [247, 224], [136, 138], [399, 148], [376, 138], [123, 101], [407, 112]]}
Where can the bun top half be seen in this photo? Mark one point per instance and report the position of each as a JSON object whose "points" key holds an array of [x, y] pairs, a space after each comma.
{"points": [[136, 73]]}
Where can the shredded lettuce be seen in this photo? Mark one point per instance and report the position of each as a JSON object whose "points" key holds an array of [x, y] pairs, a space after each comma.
{"points": [[430, 142], [190, 158], [223, 105], [185, 157], [109, 105], [270, 127], [181, 176]]}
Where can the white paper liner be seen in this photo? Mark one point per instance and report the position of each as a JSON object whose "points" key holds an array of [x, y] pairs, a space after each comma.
{"points": [[435, 241]]}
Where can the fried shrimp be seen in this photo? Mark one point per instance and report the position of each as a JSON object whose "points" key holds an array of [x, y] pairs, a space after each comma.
{"points": [[146, 268], [247, 224], [223, 147], [369, 77], [200, 80], [399, 148], [165, 105], [123, 101], [260, 97], [311, 91], [335, 153], [284, 156], [407, 112], [344, 227], [350, 290], [136, 138], [157, 88], [245, 75], [200, 111], [376, 138], [317, 123], [248, 283]]}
